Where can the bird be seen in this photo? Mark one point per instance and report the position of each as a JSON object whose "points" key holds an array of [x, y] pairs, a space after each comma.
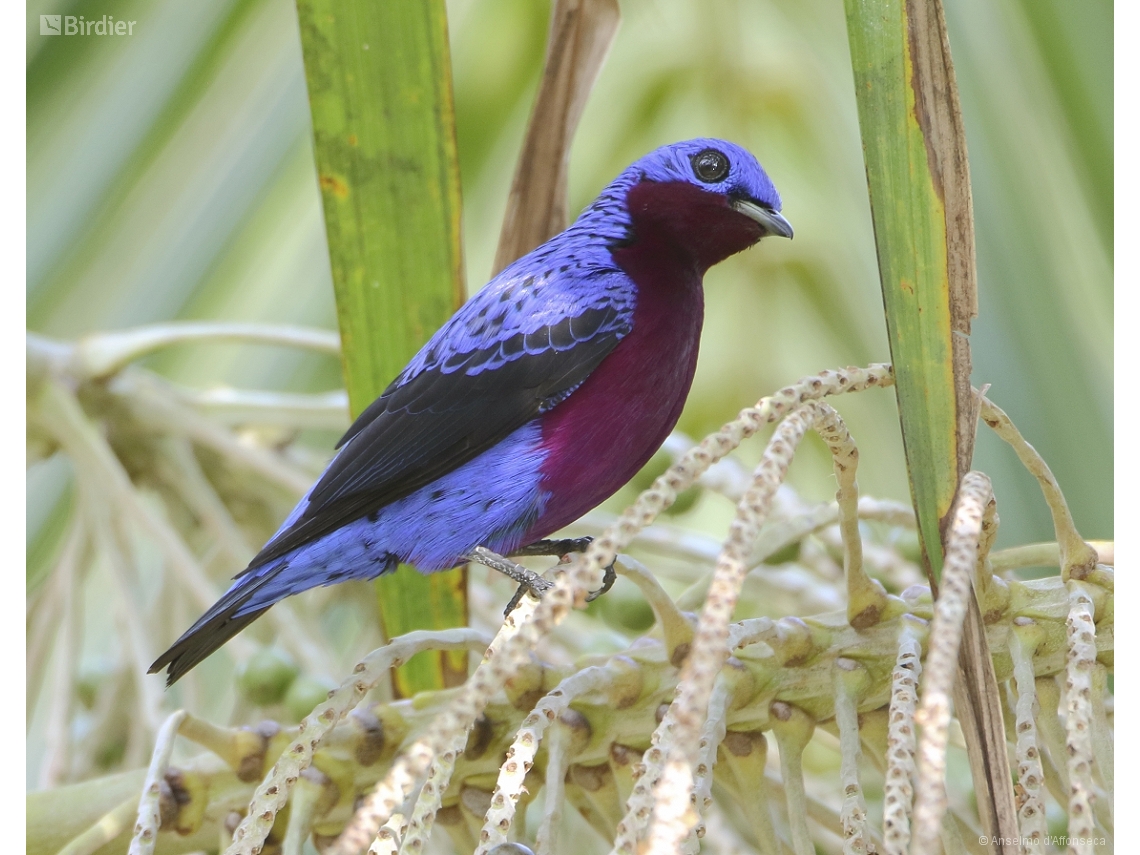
{"points": [[536, 401]]}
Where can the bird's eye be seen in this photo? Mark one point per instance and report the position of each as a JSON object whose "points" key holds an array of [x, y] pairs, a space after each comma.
{"points": [[710, 166]]}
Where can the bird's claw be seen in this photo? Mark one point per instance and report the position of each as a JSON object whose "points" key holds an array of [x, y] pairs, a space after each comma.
{"points": [[537, 586], [534, 583], [608, 579]]}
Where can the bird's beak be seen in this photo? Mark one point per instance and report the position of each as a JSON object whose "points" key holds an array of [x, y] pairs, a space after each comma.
{"points": [[771, 221]]}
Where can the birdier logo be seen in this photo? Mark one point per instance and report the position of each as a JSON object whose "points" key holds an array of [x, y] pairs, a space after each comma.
{"points": [[72, 25]]}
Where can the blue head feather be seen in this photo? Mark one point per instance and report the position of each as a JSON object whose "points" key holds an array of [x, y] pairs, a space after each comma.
{"points": [[745, 179], [743, 183]]}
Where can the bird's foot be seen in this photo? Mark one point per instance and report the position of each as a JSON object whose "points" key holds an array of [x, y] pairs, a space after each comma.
{"points": [[528, 580], [608, 579], [514, 601], [562, 548], [557, 548]]}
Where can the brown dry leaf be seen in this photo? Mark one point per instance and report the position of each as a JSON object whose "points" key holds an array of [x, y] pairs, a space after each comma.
{"points": [[937, 108], [581, 32]]}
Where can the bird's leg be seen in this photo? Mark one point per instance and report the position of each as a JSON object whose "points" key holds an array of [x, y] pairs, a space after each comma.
{"points": [[527, 579], [562, 547], [557, 548]]}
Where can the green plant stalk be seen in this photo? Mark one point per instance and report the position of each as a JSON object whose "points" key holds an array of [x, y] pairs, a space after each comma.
{"points": [[379, 80], [919, 192], [918, 178]]}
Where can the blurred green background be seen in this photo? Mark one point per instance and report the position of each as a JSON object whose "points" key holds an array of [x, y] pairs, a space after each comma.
{"points": [[170, 175]]}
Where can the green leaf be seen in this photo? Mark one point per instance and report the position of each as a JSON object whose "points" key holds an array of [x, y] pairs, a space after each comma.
{"points": [[918, 176], [379, 80], [918, 179]]}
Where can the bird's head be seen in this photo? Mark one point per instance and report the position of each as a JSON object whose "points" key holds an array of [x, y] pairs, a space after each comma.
{"points": [[703, 199]]}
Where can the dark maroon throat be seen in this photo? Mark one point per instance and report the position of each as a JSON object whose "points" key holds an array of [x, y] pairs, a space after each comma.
{"points": [[678, 225]]}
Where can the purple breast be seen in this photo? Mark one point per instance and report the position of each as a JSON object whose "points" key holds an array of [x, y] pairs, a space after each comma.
{"points": [[613, 423], [608, 429]]}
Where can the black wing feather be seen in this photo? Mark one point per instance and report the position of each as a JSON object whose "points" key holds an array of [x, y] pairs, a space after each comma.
{"points": [[423, 428]]}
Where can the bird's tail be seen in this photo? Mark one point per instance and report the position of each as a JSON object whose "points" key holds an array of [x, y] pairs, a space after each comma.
{"points": [[225, 619], [251, 594]]}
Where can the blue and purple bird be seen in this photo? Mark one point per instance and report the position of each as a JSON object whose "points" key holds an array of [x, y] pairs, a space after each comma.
{"points": [[537, 400]]}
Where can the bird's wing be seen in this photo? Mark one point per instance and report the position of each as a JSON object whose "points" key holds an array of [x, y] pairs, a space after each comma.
{"points": [[514, 351]]}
